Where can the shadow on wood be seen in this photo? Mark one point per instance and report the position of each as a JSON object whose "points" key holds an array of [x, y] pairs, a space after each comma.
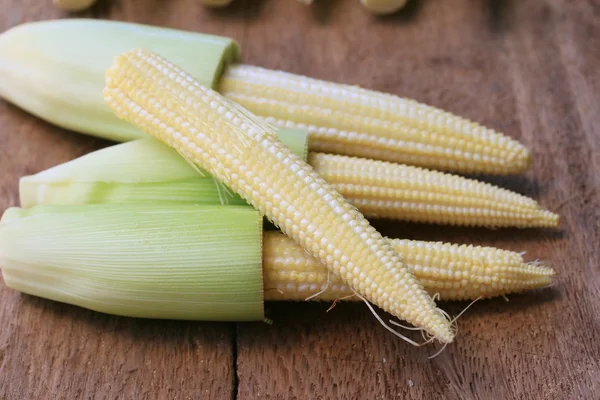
{"points": [[521, 184], [322, 11], [406, 14], [465, 234], [516, 302]]}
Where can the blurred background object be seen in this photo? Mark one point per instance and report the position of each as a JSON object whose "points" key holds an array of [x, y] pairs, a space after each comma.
{"points": [[381, 7], [73, 5]]}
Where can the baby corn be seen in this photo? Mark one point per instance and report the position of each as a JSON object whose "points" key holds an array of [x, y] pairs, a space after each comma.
{"points": [[385, 190], [149, 172], [210, 262], [45, 63], [454, 272], [245, 154], [349, 120]]}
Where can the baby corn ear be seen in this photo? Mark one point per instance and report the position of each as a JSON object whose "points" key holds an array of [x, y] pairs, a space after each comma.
{"points": [[385, 190], [245, 154], [45, 65], [203, 262], [147, 171], [454, 272], [349, 120]]}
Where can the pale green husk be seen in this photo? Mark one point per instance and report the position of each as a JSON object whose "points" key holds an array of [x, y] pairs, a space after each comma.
{"points": [[143, 171], [55, 69], [173, 262]]}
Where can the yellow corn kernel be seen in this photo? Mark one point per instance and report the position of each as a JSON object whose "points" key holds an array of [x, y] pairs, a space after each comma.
{"points": [[343, 119], [455, 272], [74, 5], [383, 7], [246, 155], [385, 190]]}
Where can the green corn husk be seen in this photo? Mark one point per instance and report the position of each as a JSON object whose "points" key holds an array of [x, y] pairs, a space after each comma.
{"points": [[143, 171], [175, 262], [45, 70]]}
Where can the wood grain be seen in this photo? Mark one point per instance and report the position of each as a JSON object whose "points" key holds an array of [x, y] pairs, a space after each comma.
{"points": [[529, 69]]}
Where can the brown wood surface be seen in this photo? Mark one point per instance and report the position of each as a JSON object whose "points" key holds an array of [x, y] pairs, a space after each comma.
{"points": [[528, 68]]}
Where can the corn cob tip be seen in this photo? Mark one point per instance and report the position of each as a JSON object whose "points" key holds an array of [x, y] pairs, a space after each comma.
{"points": [[540, 218], [548, 219], [531, 275], [523, 158], [537, 270], [518, 159], [443, 330], [505, 275]]}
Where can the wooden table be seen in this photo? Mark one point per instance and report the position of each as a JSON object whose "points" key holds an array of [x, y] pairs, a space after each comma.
{"points": [[527, 68]]}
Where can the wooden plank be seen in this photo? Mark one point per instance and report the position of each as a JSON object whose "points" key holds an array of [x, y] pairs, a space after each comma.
{"points": [[56, 351], [524, 68]]}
